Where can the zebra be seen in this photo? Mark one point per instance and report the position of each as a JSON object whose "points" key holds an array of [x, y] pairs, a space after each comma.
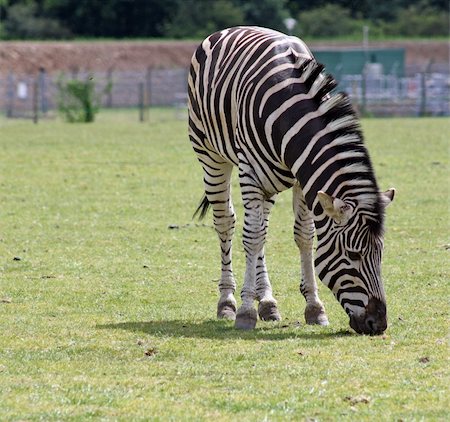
{"points": [[259, 101]]}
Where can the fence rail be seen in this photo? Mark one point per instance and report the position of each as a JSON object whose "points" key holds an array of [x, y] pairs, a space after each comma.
{"points": [[378, 95]]}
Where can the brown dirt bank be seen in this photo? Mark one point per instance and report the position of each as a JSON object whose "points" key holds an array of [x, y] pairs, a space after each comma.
{"points": [[29, 57]]}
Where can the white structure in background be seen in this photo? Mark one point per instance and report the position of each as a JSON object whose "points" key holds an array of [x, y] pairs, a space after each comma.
{"points": [[22, 90], [290, 23]]}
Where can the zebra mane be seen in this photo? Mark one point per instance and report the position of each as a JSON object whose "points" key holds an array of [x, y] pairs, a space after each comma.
{"points": [[342, 121]]}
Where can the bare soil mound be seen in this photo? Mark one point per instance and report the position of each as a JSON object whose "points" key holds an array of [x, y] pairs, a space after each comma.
{"points": [[29, 57]]}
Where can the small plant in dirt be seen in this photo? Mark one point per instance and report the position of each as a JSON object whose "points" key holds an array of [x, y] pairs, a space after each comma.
{"points": [[78, 101]]}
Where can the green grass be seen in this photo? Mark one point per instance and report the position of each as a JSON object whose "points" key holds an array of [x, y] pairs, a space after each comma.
{"points": [[110, 315]]}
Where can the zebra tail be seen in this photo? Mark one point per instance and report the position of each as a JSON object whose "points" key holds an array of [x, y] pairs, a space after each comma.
{"points": [[202, 208]]}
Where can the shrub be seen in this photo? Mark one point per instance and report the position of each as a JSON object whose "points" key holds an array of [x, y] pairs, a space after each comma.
{"points": [[78, 101]]}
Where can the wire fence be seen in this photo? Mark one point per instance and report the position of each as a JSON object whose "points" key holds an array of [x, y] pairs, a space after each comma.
{"points": [[25, 96], [36, 96], [425, 94]]}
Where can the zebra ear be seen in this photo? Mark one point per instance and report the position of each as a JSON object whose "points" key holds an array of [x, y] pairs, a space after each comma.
{"points": [[387, 197], [335, 208]]}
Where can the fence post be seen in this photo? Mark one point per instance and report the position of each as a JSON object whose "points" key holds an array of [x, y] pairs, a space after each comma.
{"points": [[142, 102], [36, 100], [355, 97], [109, 98], [10, 95], [423, 89], [43, 90], [148, 82], [423, 95], [364, 91]]}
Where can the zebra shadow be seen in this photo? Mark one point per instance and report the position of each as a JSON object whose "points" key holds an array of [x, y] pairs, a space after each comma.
{"points": [[224, 330]]}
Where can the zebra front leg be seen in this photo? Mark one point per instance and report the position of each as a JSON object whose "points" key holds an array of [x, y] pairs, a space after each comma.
{"points": [[267, 308], [254, 233], [304, 238]]}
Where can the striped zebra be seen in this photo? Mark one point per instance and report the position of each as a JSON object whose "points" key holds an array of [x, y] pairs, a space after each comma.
{"points": [[259, 101]]}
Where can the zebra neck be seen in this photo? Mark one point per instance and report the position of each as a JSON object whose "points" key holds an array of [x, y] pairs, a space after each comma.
{"points": [[338, 165], [351, 182], [324, 149]]}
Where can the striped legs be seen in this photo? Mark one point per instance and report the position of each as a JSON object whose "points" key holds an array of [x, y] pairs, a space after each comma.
{"points": [[267, 308], [304, 238], [217, 174], [256, 281], [224, 223]]}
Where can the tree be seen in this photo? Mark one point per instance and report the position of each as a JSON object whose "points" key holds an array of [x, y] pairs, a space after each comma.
{"points": [[330, 20], [198, 19], [267, 13], [381, 10], [24, 22], [112, 18], [418, 22]]}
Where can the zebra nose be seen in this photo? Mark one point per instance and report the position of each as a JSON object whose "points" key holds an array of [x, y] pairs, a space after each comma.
{"points": [[376, 318], [373, 321], [374, 326]]}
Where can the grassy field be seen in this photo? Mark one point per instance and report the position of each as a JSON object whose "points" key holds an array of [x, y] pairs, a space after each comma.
{"points": [[107, 313]]}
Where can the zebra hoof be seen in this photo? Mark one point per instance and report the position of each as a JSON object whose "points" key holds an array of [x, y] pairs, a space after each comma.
{"points": [[268, 311], [226, 310], [315, 315], [246, 319]]}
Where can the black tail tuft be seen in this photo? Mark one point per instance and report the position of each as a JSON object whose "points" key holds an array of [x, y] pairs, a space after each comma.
{"points": [[202, 208]]}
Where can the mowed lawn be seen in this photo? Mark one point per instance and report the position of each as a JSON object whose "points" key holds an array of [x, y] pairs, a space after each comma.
{"points": [[108, 289]]}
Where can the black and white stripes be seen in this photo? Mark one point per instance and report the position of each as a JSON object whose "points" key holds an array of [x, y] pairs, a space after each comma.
{"points": [[259, 101]]}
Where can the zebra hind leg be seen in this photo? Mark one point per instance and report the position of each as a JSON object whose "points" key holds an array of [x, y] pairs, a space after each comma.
{"points": [[224, 222], [217, 176], [304, 236]]}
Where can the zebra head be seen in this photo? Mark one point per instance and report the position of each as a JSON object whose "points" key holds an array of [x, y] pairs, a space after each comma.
{"points": [[348, 259]]}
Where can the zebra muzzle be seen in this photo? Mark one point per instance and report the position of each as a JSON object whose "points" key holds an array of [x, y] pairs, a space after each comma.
{"points": [[373, 321]]}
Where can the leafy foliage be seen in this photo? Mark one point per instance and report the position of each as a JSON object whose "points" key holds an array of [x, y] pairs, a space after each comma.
{"points": [[416, 21], [112, 18], [328, 21], [333, 20], [23, 22], [267, 13], [78, 102], [196, 18]]}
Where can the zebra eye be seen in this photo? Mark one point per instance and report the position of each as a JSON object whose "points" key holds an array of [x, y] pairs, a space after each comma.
{"points": [[354, 256]]}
